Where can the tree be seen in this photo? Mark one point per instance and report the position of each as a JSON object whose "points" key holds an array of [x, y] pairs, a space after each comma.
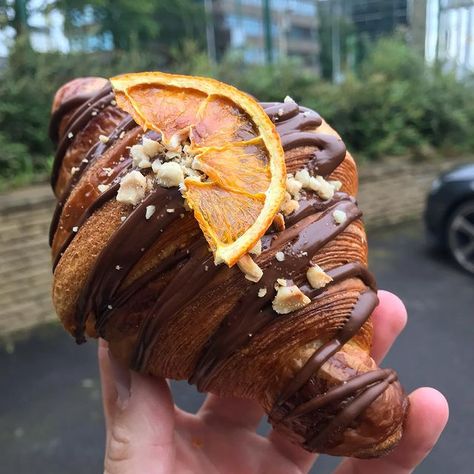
{"points": [[14, 14], [135, 23], [336, 25]]}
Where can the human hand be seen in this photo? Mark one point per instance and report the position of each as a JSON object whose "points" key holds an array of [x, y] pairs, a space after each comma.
{"points": [[147, 434]]}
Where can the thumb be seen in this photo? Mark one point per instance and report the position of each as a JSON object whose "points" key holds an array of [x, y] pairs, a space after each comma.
{"points": [[139, 415]]}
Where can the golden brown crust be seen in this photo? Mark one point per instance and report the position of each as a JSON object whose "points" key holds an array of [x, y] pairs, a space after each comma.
{"points": [[273, 356]]}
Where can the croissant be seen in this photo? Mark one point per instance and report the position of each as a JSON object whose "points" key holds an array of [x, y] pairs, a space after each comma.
{"points": [[151, 289]]}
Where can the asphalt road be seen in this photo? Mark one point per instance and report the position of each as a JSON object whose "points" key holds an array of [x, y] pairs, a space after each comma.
{"points": [[50, 412]]}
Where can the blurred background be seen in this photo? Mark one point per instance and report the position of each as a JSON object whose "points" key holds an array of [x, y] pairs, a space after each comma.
{"points": [[395, 78]]}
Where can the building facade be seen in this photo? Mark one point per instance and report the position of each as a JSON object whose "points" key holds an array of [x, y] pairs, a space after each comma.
{"points": [[265, 30], [450, 34], [376, 18]]}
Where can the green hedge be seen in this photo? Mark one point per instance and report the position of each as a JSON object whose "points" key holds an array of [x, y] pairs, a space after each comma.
{"points": [[395, 106], [27, 86]]}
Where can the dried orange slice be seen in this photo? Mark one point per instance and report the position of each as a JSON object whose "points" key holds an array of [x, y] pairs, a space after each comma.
{"points": [[235, 146]]}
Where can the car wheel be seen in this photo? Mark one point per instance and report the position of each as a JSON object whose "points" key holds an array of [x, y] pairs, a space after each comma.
{"points": [[461, 235]]}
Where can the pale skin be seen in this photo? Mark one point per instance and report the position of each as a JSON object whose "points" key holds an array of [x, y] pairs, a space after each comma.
{"points": [[147, 433]]}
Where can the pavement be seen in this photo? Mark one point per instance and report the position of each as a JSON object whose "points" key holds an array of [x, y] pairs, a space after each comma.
{"points": [[50, 411]]}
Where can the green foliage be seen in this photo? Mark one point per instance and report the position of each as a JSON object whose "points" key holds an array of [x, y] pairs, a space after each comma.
{"points": [[27, 87], [349, 43], [396, 105], [14, 158], [152, 24]]}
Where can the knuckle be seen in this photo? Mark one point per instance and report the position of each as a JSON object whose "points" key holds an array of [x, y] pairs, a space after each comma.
{"points": [[119, 448]]}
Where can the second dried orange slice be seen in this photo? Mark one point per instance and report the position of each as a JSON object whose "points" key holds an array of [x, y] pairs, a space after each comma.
{"points": [[235, 146]]}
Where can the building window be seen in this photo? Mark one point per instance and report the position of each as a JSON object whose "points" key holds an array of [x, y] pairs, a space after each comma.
{"points": [[248, 25], [299, 33]]}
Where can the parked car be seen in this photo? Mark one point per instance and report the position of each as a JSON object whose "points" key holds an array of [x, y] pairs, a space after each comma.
{"points": [[449, 214]]}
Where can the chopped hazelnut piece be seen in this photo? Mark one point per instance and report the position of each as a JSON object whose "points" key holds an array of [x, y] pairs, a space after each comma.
{"points": [[281, 282], [149, 211], [74, 170], [256, 249], [70, 135], [103, 138], [279, 222], [288, 100], [289, 299], [170, 210], [144, 164], [293, 186], [190, 172], [170, 155], [303, 177], [317, 277], [139, 156], [175, 142], [339, 216], [280, 256], [251, 270], [196, 164], [322, 187], [75, 228], [155, 166], [170, 174], [132, 188], [150, 183], [152, 147], [289, 207], [103, 187], [262, 292]]}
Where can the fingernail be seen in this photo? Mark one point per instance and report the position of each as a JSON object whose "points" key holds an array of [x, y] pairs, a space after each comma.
{"points": [[122, 381]]}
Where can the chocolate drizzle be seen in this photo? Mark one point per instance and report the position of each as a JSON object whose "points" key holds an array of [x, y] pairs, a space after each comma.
{"points": [[340, 392], [307, 231], [290, 117], [303, 239], [174, 298], [93, 154], [66, 107], [124, 249], [362, 310], [291, 121], [97, 204], [77, 122], [371, 385]]}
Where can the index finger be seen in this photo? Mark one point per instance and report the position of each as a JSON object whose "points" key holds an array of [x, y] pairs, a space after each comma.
{"points": [[389, 320]]}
